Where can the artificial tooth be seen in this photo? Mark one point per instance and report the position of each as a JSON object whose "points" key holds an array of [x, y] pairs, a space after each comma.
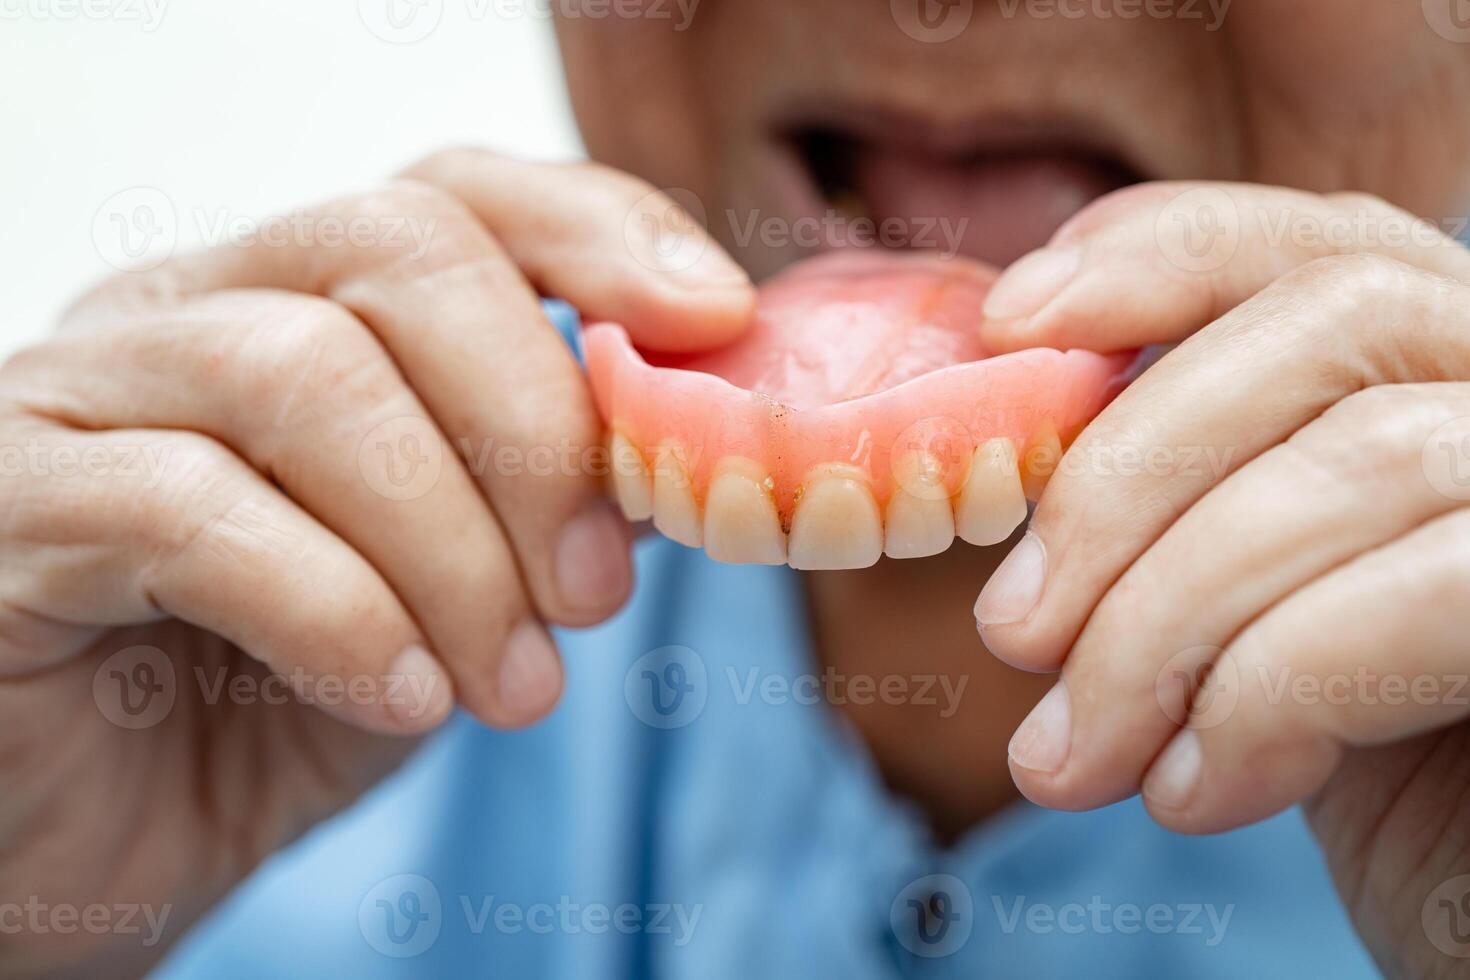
{"points": [[741, 524], [632, 483], [837, 523], [675, 512], [919, 521], [1041, 461], [991, 504]]}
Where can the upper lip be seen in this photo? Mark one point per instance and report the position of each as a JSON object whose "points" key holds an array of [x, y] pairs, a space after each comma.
{"points": [[958, 139]]}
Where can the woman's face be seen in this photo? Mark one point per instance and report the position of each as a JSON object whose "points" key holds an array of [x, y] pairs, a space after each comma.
{"points": [[981, 125]]}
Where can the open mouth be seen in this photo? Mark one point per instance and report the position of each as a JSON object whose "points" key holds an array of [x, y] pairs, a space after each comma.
{"points": [[860, 415], [992, 193]]}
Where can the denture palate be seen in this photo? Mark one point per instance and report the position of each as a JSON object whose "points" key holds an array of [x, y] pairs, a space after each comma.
{"points": [[860, 416]]}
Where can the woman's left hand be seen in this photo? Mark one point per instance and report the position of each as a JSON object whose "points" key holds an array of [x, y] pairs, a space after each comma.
{"points": [[1253, 569]]}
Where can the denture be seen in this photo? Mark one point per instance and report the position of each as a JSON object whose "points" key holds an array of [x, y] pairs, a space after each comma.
{"points": [[859, 416]]}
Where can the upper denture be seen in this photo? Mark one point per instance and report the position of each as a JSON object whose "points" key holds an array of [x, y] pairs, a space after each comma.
{"points": [[863, 377]]}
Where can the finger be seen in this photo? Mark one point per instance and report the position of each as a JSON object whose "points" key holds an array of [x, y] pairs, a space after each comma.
{"points": [[1372, 653], [606, 242], [311, 398], [1226, 395], [1153, 263], [133, 526], [468, 333], [1349, 482]]}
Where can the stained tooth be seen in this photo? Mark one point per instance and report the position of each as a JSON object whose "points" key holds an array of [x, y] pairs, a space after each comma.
{"points": [[837, 523], [991, 505], [631, 482], [850, 205], [675, 512], [919, 521], [1042, 458], [741, 524]]}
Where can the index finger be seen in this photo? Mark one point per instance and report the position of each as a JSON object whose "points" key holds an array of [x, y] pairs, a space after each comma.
{"points": [[611, 245], [1154, 263]]}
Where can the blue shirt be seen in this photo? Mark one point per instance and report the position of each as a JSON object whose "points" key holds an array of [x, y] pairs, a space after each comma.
{"points": [[688, 811], [693, 808]]}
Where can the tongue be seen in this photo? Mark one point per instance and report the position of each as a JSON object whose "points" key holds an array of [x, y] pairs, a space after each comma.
{"points": [[999, 209]]}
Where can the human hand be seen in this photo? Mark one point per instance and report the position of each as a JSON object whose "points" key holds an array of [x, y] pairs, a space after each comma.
{"points": [[1251, 569]]}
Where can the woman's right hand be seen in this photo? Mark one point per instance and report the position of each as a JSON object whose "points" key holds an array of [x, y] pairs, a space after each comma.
{"points": [[354, 461]]}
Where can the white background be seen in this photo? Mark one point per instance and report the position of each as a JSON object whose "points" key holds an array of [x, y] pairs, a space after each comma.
{"points": [[239, 110]]}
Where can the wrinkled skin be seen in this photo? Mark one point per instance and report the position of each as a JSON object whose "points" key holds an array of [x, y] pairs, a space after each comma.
{"points": [[253, 548]]}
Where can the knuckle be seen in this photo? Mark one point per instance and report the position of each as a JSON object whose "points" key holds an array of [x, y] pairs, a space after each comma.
{"points": [[1362, 201], [1377, 402], [1392, 226], [618, 190], [288, 336], [405, 198], [306, 356], [1391, 416], [1354, 431], [33, 360], [602, 176], [444, 164], [1350, 280], [199, 482], [1365, 434]]}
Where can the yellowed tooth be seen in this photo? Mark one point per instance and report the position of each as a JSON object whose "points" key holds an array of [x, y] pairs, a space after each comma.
{"points": [[632, 484], [850, 205], [741, 524], [837, 523], [918, 521], [991, 505], [1042, 458], [675, 512]]}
